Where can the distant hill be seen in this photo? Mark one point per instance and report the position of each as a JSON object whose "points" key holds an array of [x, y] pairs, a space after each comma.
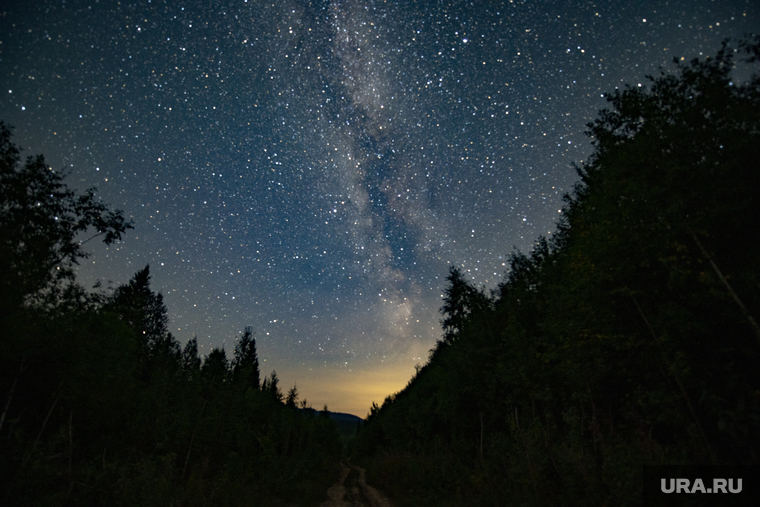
{"points": [[343, 417], [347, 423]]}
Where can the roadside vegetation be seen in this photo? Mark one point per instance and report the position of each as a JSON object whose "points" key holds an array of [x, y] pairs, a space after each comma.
{"points": [[100, 403], [629, 337]]}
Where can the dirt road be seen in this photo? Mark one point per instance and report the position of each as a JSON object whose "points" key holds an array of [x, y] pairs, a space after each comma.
{"points": [[352, 490]]}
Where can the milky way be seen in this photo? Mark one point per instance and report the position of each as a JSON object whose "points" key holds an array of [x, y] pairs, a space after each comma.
{"points": [[312, 169]]}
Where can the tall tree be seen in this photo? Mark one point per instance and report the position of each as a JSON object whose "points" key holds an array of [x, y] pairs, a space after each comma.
{"points": [[216, 366], [271, 386], [143, 309], [191, 362], [245, 364], [292, 398], [461, 300]]}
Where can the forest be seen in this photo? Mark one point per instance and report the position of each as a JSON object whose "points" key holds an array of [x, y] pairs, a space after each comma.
{"points": [[630, 337], [100, 403]]}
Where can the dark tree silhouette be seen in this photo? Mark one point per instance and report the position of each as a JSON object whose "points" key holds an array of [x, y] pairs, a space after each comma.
{"points": [[461, 300], [215, 366], [629, 338], [100, 404], [245, 364], [292, 397], [191, 361], [41, 220], [145, 311], [271, 385]]}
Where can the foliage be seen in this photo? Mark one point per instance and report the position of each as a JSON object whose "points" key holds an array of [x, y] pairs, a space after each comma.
{"points": [[41, 221], [630, 338], [101, 404]]}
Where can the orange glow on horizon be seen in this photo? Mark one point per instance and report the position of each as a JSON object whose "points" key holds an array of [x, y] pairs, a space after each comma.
{"points": [[343, 390]]}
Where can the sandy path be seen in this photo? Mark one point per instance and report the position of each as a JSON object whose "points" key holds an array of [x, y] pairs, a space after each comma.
{"points": [[359, 493]]}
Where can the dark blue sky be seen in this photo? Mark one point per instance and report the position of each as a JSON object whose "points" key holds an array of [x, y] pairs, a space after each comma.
{"points": [[312, 169]]}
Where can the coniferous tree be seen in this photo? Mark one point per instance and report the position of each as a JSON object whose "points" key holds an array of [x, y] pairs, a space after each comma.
{"points": [[245, 365], [145, 312], [292, 397], [142, 309], [191, 362], [271, 386], [461, 300], [215, 366]]}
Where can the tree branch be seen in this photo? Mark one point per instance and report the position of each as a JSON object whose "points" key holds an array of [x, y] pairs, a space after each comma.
{"points": [[734, 295], [10, 394]]}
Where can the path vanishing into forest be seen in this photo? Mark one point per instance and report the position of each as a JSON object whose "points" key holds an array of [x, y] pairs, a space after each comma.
{"points": [[355, 492]]}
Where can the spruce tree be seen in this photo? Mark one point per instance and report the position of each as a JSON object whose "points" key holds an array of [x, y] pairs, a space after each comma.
{"points": [[292, 398], [245, 364]]}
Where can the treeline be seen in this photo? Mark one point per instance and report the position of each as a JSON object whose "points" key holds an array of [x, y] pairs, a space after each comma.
{"points": [[100, 403], [628, 338]]}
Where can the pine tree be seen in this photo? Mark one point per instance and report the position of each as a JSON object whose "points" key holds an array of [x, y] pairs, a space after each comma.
{"points": [[191, 362], [271, 386], [292, 398], [216, 366], [145, 312], [140, 308], [461, 300], [245, 364]]}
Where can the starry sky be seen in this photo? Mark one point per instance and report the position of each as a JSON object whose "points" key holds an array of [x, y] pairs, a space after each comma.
{"points": [[312, 168]]}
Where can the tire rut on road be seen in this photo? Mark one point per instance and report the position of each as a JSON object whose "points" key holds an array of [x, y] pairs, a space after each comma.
{"points": [[359, 493]]}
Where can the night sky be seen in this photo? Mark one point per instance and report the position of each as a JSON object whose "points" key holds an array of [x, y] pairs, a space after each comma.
{"points": [[311, 169]]}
